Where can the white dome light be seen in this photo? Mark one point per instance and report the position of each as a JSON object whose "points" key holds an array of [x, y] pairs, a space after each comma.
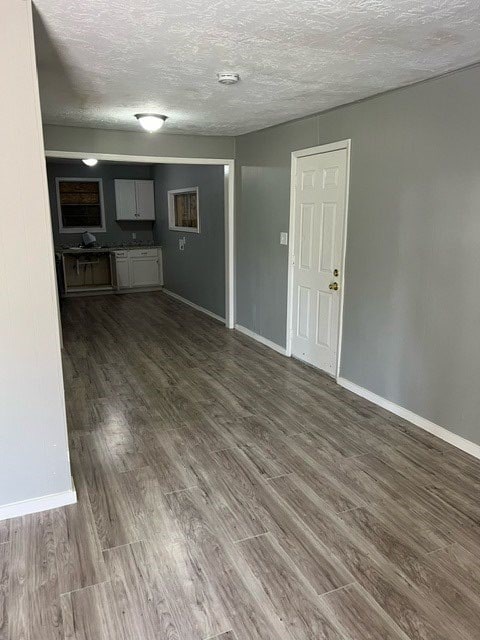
{"points": [[151, 122], [90, 162]]}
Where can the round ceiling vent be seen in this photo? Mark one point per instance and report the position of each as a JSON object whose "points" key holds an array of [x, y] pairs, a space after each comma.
{"points": [[228, 78]]}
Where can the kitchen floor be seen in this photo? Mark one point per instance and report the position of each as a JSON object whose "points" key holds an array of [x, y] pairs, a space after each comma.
{"points": [[227, 492]]}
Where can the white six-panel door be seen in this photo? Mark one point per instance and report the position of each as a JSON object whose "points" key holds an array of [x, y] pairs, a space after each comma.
{"points": [[319, 209]]}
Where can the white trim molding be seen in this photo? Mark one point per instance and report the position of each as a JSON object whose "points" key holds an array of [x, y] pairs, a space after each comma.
{"points": [[52, 153], [193, 305], [43, 503], [61, 227], [324, 148], [436, 430], [172, 213], [268, 343], [229, 197]]}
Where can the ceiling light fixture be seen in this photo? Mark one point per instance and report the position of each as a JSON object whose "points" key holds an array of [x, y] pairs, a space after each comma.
{"points": [[228, 78], [90, 162], [151, 122]]}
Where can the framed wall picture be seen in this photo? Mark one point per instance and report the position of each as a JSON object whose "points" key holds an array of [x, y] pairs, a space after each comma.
{"points": [[183, 210]]}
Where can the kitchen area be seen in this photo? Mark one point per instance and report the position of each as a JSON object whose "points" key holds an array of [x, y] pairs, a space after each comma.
{"points": [[130, 227], [103, 221]]}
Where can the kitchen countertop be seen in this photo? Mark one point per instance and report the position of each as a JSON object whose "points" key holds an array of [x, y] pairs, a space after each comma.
{"points": [[75, 250]]}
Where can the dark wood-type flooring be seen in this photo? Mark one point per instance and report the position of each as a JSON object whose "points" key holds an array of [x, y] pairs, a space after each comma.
{"points": [[227, 492]]}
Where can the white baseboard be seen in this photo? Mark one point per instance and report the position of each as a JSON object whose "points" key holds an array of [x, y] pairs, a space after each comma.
{"points": [[193, 305], [111, 292], [268, 343], [442, 433], [44, 503]]}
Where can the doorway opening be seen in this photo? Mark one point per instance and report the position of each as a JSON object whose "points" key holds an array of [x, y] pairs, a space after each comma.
{"points": [[135, 200], [316, 264]]}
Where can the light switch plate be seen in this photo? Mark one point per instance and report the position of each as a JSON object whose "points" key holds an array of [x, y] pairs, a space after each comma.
{"points": [[284, 237]]}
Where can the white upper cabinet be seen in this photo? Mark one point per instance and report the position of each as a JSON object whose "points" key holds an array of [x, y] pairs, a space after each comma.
{"points": [[145, 199], [134, 199], [125, 199]]}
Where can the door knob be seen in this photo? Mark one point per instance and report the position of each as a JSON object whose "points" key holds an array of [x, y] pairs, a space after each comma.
{"points": [[333, 285]]}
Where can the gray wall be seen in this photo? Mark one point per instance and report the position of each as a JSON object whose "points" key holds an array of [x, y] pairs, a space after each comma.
{"points": [[136, 143], [198, 272], [117, 232], [412, 296]]}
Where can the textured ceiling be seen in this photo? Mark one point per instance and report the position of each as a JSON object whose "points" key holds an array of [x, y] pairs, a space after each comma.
{"points": [[101, 61]]}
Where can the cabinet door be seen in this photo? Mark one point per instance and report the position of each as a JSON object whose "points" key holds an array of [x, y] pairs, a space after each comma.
{"points": [[123, 275], [145, 200], [160, 267], [144, 272], [125, 200]]}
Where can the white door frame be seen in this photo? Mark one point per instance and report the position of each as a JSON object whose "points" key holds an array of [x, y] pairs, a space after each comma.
{"points": [[311, 151], [229, 181]]}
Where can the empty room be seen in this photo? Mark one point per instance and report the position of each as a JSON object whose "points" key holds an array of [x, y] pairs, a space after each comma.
{"points": [[240, 320]]}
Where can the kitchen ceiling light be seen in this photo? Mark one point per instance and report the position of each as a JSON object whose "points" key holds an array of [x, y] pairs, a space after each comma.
{"points": [[90, 162], [228, 78], [151, 122]]}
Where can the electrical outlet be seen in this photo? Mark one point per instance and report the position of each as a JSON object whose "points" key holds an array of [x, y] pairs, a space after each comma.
{"points": [[181, 244], [283, 238], [134, 236]]}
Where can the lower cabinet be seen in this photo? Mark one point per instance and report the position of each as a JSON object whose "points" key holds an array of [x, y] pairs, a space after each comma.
{"points": [[123, 275], [139, 268], [144, 272]]}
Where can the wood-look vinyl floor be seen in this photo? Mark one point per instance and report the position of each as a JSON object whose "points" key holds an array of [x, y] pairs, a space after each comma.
{"points": [[227, 492]]}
